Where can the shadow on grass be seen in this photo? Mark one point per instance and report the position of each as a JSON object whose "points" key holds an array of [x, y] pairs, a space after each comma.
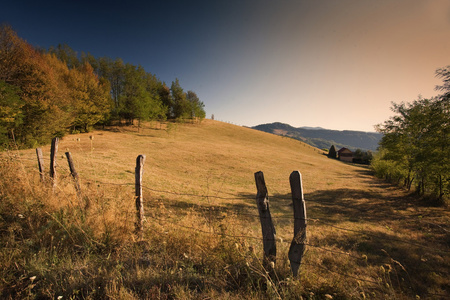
{"points": [[365, 222], [415, 261], [336, 205]]}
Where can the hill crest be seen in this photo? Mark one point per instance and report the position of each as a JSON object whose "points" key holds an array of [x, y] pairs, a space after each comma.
{"points": [[324, 138]]}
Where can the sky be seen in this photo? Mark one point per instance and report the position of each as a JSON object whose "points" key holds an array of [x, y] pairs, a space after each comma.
{"points": [[336, 64]]}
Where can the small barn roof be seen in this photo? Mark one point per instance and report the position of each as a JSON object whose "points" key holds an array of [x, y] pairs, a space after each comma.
{"points": [[344, 150]]}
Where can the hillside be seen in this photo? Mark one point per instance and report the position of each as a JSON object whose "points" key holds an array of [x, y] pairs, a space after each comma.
{"points": [[324, 138], [202, 236]]}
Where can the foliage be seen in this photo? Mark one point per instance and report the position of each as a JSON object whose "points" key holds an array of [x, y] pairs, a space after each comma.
{"points": [[139, 99], [332, 152], [90, 97], [11, 114], [66, 54], [416, 144], [362, 157], [196, 107], [47, 94], [46, 109], [140, 95], [202, 238]]}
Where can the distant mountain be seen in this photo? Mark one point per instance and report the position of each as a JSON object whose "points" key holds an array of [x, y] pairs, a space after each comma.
{"points": [[324, 138], [311, 128]]}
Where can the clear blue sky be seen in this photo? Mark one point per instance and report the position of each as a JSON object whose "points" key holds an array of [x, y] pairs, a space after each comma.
{"points": [[334, 64]]}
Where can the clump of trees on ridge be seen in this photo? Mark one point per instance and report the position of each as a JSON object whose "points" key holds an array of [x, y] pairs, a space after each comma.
{"points": [[415, 149], [48, 93]]}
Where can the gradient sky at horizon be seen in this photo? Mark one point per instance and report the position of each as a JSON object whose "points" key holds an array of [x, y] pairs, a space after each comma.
{"points": [[333, 64]]}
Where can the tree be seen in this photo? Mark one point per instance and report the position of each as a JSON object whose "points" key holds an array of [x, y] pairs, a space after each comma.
{"points": [[196, 107], [90, 96], [39, 79], [11, 114], [140, 99], [362, 157], [417, 141], [166, 99], [444, 74], [44, 94], [332, 152], [158, 111], [66, 54], [181, 109]]}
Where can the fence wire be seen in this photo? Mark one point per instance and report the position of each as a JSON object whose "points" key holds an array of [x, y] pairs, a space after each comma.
{"points": [[230, 196]]}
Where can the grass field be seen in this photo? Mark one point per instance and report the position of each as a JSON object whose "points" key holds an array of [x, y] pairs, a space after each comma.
{"points": [[202, 237]]}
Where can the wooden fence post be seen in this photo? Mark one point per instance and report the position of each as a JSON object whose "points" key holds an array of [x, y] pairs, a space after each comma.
{"points": [[139, 171], [298, 242], [53, 152], [40, 159], [91, 137], [268, 230], [75, 177]]}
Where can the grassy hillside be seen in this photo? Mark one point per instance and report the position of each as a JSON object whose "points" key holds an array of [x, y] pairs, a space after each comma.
{"points": [[202, 237]]}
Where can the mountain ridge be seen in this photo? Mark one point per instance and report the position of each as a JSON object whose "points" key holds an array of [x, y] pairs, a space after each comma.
{"points": [[324, 138]]}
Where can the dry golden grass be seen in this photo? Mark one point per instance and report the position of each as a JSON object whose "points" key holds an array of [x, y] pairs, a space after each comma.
{"points": [[367, 239]]}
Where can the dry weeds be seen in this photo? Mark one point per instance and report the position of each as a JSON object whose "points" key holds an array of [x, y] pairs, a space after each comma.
{"points": [[366, 239]]}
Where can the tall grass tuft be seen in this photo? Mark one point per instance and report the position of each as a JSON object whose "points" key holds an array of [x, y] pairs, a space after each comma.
{"points": [[367, 240]]}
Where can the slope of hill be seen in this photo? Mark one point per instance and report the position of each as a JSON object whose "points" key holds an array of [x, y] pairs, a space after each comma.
{"points": [[324, 138], [202, 235]]}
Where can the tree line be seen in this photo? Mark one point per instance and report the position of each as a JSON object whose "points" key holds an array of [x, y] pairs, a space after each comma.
{"points": [[415, 148], [49, 93]]}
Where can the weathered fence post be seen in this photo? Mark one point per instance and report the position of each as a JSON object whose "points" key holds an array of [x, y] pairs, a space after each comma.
{"points": [[75, 177], [53, 152], [40, 159], [268, 230], [139, 171], [298, 242], [91, 137]]}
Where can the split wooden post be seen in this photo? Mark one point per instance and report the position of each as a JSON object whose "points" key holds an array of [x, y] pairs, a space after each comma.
{"points": [[75, 177], [53, 152], [268, 230], [298, 246], [139, 171], [40, 159]]}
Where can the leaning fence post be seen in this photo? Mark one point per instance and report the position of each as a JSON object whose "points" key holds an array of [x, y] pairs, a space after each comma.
{"points": [[40, 159], [268, 230], [53, 152], [75, 177], [139, 171], [298, 242]]}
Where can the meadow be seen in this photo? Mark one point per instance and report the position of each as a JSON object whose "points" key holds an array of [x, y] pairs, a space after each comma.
{"points": [[202, 237]]}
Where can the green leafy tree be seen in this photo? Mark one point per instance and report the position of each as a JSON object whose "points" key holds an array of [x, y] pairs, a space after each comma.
{"points": [[416, 141], [166, 99], [196, 107], [158, 111], [362, 157], [181, 108], [140, 99], [11, 114]]}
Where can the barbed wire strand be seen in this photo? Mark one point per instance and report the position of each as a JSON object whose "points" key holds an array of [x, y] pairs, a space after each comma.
{"points": [[254, 215], [274, 217], [258, 238], [333, 226]]}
